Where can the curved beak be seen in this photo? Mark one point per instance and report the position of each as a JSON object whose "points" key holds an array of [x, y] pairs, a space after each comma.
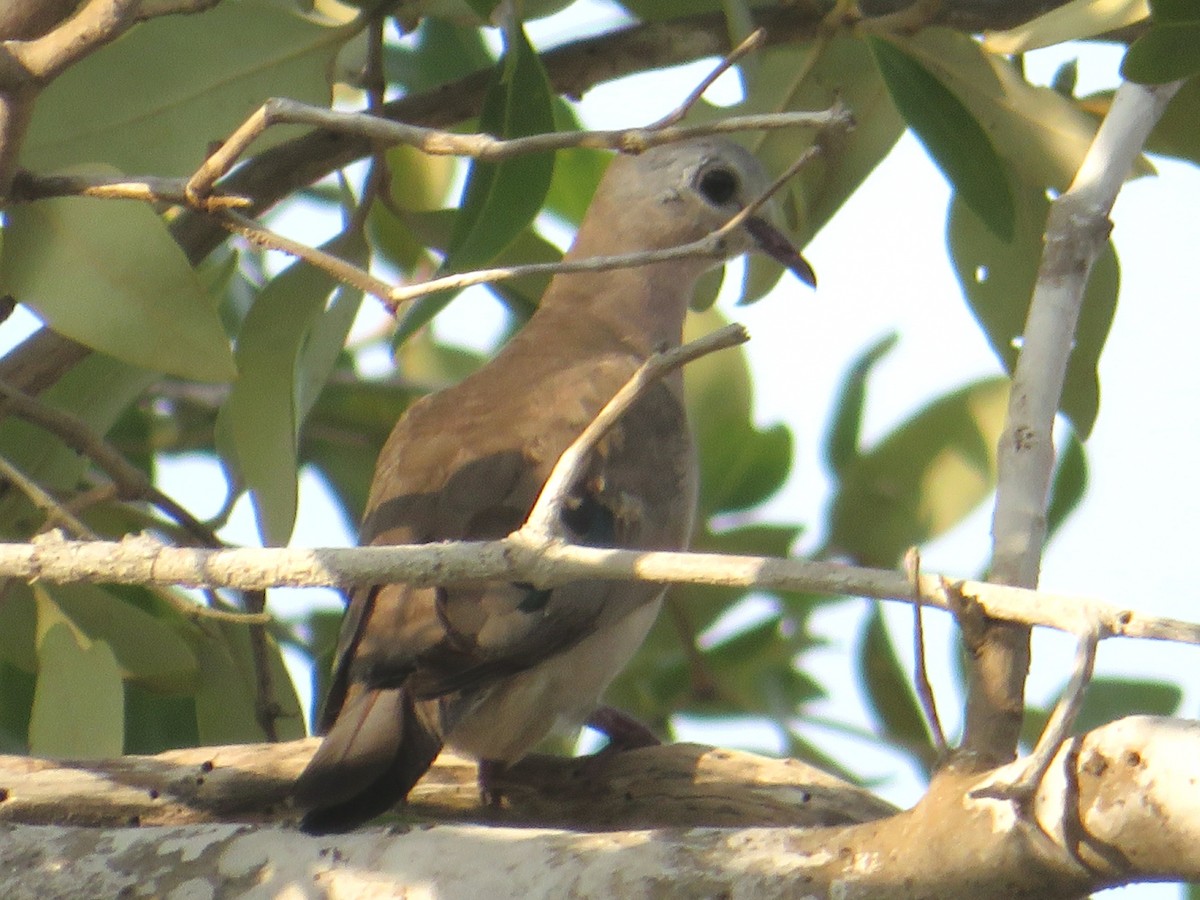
{"points": [[772, 242]]}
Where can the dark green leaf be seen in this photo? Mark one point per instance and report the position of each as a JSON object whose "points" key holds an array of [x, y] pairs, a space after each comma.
{"points": [[1065, 78], [1174, 11], [740, 465], [17, 687], [921, 479], [1176, 133], [156, 722], [501, 198], [951, 134], [96, 390], [79, 702], [107, 273], [998, 279], [1070, 481], [441, 51], [841, 441], [1164, 53], [890, 693]]}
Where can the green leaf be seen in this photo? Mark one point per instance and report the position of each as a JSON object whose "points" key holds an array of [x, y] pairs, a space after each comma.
{"points": [[146, 648], [108, 274], [1069, 484], [841, 442], [155, 722], [96, 390], [153, 101], [438, 52], [921, 479], [17, 687], [740, 465], [1174, 12], [1176, 133], [79, 703], [225, 701], [1165, 53], [1040, 135], [501, 198], [890, 693], [286, 349], [951, 134], [1109, 699], [998, 279]]}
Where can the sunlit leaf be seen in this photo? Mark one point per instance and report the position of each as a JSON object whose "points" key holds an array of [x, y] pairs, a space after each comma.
{"points": [[107, 273], [79, 703], [922, 478], [807, 77], [1040, 135], [1076, 20]]}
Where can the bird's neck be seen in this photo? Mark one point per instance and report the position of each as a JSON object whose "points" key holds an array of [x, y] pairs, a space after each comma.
{"points": [[641, 309]]}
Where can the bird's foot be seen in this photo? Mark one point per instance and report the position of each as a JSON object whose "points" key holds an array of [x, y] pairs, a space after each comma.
{"points": [[489, 770], [623, 731]]}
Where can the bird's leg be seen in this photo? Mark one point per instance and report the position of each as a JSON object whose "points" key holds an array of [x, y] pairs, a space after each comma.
{"points": [[489, 771], [623, 731]]}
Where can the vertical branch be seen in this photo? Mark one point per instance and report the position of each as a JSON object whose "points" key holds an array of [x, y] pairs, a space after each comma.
{"points": [[1076, 229]]}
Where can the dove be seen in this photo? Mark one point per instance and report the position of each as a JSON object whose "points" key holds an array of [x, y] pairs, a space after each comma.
{"points": [[489, 668]]}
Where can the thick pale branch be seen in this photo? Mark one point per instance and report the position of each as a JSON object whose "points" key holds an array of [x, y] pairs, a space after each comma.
{"points": [[1076, 230], [1118, 805]]}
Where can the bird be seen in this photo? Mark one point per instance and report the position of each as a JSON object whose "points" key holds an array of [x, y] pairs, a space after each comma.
{"points": [[492, 668]]}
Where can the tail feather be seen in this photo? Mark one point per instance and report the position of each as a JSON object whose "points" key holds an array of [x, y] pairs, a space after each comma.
{"points": [[376, 751]]}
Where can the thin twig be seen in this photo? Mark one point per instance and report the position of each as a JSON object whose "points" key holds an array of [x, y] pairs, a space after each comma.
{"points": [[709, 245], [131, 481], [753, 41], [544, 521], [1020, 779], [912, 568], [480, 145], [56, 514], [144, 560]]}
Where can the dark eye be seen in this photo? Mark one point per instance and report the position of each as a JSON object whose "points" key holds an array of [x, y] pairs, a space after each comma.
{"points": [[718, 186]]}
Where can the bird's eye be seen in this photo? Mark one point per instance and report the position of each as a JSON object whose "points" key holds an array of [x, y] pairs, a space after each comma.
{"points": [[718, 186]]}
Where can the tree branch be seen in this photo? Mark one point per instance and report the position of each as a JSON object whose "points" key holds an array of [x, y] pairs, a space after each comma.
{"points": [[652, 806], [1076, 230], [143, 560]]}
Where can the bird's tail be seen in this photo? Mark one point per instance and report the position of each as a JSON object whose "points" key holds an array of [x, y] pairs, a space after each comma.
{"points": [[376, 751]]}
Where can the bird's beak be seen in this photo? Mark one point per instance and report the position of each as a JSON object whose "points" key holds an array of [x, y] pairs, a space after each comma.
{"points": [[772, 242]]}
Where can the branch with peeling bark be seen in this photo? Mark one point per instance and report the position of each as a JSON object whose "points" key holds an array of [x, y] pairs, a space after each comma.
{"points": [[783, 828]]}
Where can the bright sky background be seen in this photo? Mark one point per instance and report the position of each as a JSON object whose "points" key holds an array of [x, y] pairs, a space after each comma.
{"points": [[883, 266]]}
